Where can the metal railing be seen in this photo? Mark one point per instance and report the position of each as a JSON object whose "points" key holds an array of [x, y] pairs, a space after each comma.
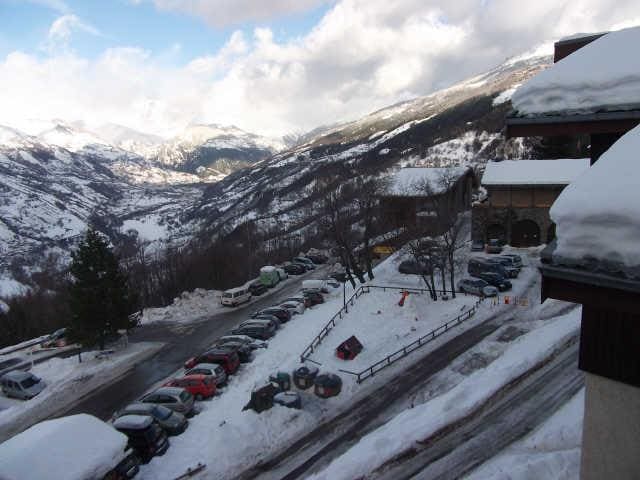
{"points": [[413, 346]]}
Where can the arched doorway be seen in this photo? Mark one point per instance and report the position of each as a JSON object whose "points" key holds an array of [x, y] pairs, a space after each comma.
{"points": [[551, 233], [525, 233], [495, 230]]}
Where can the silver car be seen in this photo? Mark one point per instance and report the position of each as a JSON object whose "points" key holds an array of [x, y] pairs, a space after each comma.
{"points": [[173, 423], [19, 384], [476, 286], [212, 369], [293, 307], [177, 399]]}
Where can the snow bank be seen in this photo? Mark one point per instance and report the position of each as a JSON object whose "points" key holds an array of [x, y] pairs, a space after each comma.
{"points": [[597, 215], [603, 75], [75, 448], [420, 422], [550, 451], [536, 172]]}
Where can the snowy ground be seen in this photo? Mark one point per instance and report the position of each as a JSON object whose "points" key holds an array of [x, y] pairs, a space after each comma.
{"points": [[67, 381], [217, 432], [550, 451]]}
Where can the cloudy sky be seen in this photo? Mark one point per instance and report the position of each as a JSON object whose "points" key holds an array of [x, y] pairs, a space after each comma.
{"points": [[268, 66]]}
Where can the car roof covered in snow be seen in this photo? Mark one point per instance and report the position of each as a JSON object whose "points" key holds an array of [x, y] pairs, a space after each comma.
{"points": [[534, 172], [74, 447], [134, 422], [268, 268], [411, 181], [601, 76]]}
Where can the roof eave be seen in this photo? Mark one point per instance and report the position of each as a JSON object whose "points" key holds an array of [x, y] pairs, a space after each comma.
{"points": [[571, 124]]}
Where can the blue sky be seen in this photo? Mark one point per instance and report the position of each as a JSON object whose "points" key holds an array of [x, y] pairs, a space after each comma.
{"points": [[271, 67], [25, 25]]}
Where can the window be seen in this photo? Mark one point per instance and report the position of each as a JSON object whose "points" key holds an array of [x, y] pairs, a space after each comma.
{"points": [[184, 396], [29, 382]]}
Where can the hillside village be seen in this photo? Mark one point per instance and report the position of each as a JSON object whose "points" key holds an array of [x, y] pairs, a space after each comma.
{"points": [[447, 288]]}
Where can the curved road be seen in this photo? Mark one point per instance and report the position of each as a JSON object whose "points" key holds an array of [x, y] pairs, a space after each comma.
{"points": [[182, 341]]}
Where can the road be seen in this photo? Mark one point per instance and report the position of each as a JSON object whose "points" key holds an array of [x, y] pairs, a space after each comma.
{"points": [[510, 416], [181, 342]]}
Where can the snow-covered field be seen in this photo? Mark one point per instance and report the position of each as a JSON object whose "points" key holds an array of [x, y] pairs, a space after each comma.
{"points": [[228, 440], [550, 451], [67, 381]]}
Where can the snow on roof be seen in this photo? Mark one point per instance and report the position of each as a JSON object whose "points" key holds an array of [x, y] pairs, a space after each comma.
{"points": [[411, 181], [601, 76], [597, 215], [74, 447], [133, 422], [534, 172], [580, 36], [268, 269]]}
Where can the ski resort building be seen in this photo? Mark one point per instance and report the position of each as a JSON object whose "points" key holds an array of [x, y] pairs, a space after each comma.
{"points": [[519, 195], [595, 259], [414, 193]]}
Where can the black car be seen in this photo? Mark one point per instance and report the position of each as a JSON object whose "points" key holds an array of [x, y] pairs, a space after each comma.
{"points": [[243, 350], [282, 313], [315, 297], [339, 276], [257, 288], [294, 269], [496, 280], [412, 267], [257, 331], [317, 259]]}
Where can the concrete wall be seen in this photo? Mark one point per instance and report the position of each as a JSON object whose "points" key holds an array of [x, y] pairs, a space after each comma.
{"points": [[611, 430], [483, 216]]}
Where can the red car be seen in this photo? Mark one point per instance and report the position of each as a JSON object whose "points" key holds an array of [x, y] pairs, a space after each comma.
{"points": [[228, 359], [200, 386]]}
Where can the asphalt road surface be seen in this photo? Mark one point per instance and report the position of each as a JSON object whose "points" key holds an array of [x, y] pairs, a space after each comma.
{"points": [[182, 342]]}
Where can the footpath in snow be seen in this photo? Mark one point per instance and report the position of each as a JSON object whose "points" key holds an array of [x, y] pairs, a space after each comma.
{"points": [[67, 382]]}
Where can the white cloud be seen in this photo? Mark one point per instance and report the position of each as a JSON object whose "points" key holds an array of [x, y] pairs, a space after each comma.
{"points": [[220, 13], [362, 55], [62, 29]]}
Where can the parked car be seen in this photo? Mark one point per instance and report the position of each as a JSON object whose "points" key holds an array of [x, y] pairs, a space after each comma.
{"points": [[339, 276], [266, 320], [476, 266], [21, 384], [269, 276], [198, 385], [229, 360], [308, 264], [251, 342], [235, 296], [177, 399], [282, 314], [510, 270], [173, 423], [494, 246], [412, 267], [257, 331], [332, 282], [516, 260], [69, 448], [293, 306], [477, 246], [245, 354], [281, 273], [318, 259], [477, 286], [257, 288], [300, 299], [498, 281], [212, 369], [317, 284], [314, 296], [56, 339], [145, 436], [294, 269]]}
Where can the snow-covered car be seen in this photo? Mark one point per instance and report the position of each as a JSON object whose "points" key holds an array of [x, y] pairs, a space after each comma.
{"points": [[332, 282], [252, 342], [494, 246], [212, 369], [300, 299], [514, 260], [173, 423], [293, 307], [477, 286], [498, 281], [294, 269], [305, 262], [412, 267]]}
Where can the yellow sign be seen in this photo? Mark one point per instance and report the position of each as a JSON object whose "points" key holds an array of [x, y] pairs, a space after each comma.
{"points": [[383, 249]]}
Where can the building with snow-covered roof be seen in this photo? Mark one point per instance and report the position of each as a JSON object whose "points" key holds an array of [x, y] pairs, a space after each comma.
{"points": [[595, 261], [595, 90], [519, 195], [413, 194]]}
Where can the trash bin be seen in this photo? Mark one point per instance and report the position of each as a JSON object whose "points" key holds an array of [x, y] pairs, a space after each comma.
{"points": [[327, 385], [283, 379], [304, 376], [262, 397], [288, 399]]}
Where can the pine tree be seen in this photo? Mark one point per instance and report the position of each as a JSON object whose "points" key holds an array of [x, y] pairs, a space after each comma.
{"points": [[100, 299]]}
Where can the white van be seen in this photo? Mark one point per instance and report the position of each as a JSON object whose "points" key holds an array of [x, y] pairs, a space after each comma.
{"points": [[315, 284], [235, 296]]}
